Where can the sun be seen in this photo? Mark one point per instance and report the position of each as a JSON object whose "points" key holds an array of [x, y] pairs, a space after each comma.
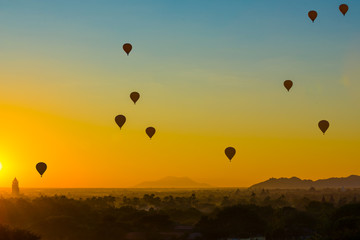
{"points": [[0, 166]]}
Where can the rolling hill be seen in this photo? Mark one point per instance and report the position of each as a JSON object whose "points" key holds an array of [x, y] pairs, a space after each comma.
{"points": [[352, 181]]}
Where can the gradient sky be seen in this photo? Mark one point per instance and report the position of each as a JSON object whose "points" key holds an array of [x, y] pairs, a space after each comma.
{"points": [[210, 75]]}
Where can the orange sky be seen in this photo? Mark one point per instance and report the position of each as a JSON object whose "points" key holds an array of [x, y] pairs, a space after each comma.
{"points": [[63, 80]]}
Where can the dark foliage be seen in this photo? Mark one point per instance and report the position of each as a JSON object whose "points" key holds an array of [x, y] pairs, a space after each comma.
{"points": [[7, 233], [216, 214]]}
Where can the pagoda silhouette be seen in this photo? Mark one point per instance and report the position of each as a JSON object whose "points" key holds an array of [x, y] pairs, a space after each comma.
{"points": [[15, 187]]}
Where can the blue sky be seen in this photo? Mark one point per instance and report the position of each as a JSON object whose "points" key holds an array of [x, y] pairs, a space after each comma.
{"points": [[211, 71]]}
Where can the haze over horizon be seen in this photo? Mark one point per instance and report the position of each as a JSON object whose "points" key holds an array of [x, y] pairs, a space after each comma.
{"points": [[210, 75], [172, 182]]}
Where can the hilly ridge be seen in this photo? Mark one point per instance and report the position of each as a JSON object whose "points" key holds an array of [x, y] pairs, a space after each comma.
{"points": [[352, 181]]}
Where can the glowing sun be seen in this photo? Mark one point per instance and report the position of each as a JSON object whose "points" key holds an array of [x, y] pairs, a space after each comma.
{"points": [[0, 166]]}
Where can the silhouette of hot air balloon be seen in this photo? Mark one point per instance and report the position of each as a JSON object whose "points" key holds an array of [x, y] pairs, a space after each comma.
{"points": [[134, 96], [127, 48], [312, 15], [41, 168], [150, 131], [323, 125], [343, 8], [288, 84], [120, 120], [230, 152]]}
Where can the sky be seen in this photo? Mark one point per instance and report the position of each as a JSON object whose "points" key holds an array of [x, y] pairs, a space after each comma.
{"points": [[210, 75]]}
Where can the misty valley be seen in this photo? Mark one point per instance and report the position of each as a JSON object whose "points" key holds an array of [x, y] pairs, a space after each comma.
{"points": [[211, 213]]}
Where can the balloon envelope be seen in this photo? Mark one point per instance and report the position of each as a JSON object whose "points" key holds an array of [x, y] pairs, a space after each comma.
{"points": [[120, 120], [127, 48], [134, 96], [324, 125], [150, 131], [343, 8], [312, 15], [41, 168], [230, 152], [288, 84]]}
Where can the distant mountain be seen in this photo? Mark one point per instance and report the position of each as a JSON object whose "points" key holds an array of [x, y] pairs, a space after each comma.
{"points": [[173, 182], [352, 181]]}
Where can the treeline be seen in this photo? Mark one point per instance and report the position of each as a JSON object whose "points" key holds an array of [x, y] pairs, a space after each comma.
{"points": [[318, 221], [55, 218], [8, 233], [213, 215]]}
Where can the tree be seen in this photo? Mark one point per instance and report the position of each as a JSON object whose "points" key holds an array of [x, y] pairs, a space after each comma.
{"points": [[7, 233]]}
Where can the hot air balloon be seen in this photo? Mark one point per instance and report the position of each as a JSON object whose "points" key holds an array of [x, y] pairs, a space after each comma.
{"points": [[134, 96], [150, 131], [288, 84], [127, 48], [230, 152], [41, 168], [312, 15], [120, 120], [343, 8], [323, 125]]}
